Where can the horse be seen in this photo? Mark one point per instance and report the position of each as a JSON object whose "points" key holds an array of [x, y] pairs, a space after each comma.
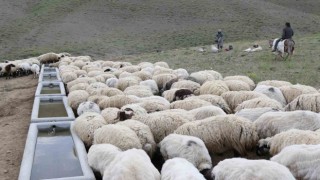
{"points": [[285, 47]]}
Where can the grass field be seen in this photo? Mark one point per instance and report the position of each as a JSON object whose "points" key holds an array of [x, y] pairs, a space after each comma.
{"points": [[135, 30]]}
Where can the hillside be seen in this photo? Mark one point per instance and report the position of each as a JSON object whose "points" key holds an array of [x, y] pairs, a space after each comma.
{"points": [[110, 28]]}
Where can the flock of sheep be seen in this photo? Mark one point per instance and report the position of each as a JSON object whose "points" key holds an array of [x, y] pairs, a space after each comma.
{"points": [[129, 115]]}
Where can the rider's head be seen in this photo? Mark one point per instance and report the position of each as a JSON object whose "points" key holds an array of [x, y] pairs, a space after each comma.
{"points": [[288, 24]]}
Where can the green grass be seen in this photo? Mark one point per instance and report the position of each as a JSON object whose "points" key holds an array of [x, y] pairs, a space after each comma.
{"points": [[301, 68]]}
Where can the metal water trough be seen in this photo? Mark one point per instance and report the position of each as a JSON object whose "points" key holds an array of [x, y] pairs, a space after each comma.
{"points": [[54, 151], [49, 77], [50, 89], [45, 69], [51, 108]]}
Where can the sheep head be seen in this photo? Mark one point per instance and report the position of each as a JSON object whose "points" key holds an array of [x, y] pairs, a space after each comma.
{"points": [[126, 114], [263, 147]]}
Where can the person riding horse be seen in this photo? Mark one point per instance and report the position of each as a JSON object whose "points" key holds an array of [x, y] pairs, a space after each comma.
{"points": [[286, 34], [219, 39]]}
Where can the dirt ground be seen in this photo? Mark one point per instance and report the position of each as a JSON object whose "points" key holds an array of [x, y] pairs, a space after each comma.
{"points": [[16, 100]]}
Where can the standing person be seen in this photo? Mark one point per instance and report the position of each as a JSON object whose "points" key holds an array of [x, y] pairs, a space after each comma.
{"points": [[219, 39], [287, 33]]}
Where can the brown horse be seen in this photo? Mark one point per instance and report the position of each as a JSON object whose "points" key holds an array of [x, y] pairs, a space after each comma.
{"points": [[285, 47]]}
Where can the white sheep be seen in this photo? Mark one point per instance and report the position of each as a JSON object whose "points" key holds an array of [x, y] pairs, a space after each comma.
{"points": [[272, 123], [35, 69], [214, 100], [309, 102], [68, 76], [181, 73], [163, 123], [133, 164], [81, 80], [163, 79], [254, 113], [144, 134], [75, 98], [101, 156], [292, 92], [187, 84], [259, 103], [152, 85], [118, 101], [190, 148], [79, 86], [143, 75], [237, 85], [88, 106], [123, 83], [189, 104], [154, 103], [272, 92], [120, 136], [179, 169], [223, 133], [206, 111], [216, 87], [244, 169], [162, 64], [273, 145], [203, 76], [302, 160], [234, 98], [139, 91], [111, 115], [275, 83], [245, 79], [49, 58], [86, 124]]}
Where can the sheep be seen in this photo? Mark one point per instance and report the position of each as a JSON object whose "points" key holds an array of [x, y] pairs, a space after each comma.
{"points": [[75, 98], [302, 160], [163, 123], [88, 106], [143, 75], [189, 104], [119, 65], [206, 111], [234, 98], [125, 74], [216, 87], [259, 103], [223, 133], [107, 64], [139, 91], [130, 111], [179, 169], [82, 58], [154, 103], [272, 123], [187, 84], [119, 100], [81, 73], [112, 82], [171, 94], [273, 145], [274, 83], [168, 85], [237, 85], [101, 156], [131, 69], [117, 135], [243, 169], [162, 79], [162, 64], [145, 65], [148, 69], [187, 147], [123, 83], [292, 92], [35, 69], [110, 92], [253, 114], [181, 73], [151, 84], [86, 124], [245, 79], [95, 88], [25, 68], [64, 54], [214, 100], [80, 86], [144, 134], [78, 63], [309, 102], [133, 164], [80, 80], [9, 70], [111, 115], [68, 77], [203, 76], [272, 92], [49, 58]]}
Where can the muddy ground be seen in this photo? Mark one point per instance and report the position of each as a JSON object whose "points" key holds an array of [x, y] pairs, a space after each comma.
{"points": [[16, 100]]}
